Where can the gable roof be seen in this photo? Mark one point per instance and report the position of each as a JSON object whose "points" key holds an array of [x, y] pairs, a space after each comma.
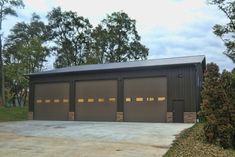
{"points": [[200, 59]]}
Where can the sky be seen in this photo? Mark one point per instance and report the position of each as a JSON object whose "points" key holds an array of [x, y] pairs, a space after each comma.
{"points": [[169, 28]]}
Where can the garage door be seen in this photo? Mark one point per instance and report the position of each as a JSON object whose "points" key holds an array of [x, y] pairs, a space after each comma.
{"points": [[145, 99], [51, 101], [96, 100]]}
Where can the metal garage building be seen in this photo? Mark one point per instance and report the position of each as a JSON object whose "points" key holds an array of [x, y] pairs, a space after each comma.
{"points": [[160, 90]]}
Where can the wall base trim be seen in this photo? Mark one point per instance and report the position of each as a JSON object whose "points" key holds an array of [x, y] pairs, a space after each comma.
{"points": [[30, 115], [119, 117], [190, 117], [71, 116], [169, 117]]}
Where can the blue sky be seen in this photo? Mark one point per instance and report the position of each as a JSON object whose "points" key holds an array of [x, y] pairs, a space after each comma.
{"points": [[169, 28]]}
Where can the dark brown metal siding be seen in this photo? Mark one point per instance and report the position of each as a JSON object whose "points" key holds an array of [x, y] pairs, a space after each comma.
{"points": [[144, 109], [51, 101], [181, 85], [199, 80], [95, 90]]}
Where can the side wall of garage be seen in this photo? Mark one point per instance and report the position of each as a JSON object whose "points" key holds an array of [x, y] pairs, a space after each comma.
{"points": [[182, 89]]}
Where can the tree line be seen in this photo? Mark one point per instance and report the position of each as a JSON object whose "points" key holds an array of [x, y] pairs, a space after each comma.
{"points": [[70, 38]]}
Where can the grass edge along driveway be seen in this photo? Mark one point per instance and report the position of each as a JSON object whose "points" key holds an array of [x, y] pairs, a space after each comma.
{"points": [[13, 113]]}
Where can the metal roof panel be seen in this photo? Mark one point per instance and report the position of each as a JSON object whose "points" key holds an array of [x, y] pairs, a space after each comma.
{"points": [[125, 65]]}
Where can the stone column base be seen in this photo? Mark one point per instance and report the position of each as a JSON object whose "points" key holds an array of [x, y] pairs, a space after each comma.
{"points": [[71, 116], [30, 115], [169, 117], [190, 117], [119, 117]]}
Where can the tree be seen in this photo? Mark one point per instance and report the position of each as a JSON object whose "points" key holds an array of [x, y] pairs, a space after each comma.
{"points": [[99, 45], [209, 102], [218, 107], [7, 7], [72, 37], [226, 119], [116, 40], [226, 32], [25, 51]]}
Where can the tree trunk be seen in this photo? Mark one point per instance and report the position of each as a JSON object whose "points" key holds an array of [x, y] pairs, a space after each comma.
{"points": [[25, 97], [2, 73], [20, 98]]}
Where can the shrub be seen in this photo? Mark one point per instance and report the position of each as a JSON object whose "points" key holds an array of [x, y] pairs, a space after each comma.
{"points": [[218, 108]]}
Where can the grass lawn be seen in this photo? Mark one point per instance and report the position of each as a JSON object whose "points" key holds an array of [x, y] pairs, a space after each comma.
{"points": [[13, 113], [190, 143]]}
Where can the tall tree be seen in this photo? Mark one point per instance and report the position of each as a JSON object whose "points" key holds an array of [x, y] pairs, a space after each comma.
{"points": [[218, 106], [117, 40], [226, 32], [7, 7], [25, 51], [72, 37]]}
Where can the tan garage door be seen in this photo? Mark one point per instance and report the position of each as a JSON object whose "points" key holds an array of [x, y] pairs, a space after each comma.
{"points": [[145, 99], [96, 100], [51, 101]]}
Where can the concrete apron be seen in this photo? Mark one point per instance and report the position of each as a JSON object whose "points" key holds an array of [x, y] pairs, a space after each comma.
{"points": [[93, 139]]}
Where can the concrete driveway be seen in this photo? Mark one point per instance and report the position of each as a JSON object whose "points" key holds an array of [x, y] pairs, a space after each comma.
{"points": [[86, 139]]}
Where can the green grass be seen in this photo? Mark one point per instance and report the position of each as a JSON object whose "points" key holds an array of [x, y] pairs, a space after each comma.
{"points": [[13, 114], [191, 143]]}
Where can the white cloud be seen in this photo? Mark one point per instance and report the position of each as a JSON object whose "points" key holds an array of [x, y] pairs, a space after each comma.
{"points": [[149, 14], [38, 5]]}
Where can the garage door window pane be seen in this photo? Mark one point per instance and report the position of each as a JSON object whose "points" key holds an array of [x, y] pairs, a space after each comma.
{"points": [[56, 100], [90, 100], [47, 101], [139, 99], [39, 101], [80, 100], [162, 98], [101, 100], [150, 99], [112, 99], [128, 99], [65, 100]]}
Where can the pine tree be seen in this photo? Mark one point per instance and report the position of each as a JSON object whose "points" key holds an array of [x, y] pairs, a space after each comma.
{"points": [[217, 108], [210, 101]]}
